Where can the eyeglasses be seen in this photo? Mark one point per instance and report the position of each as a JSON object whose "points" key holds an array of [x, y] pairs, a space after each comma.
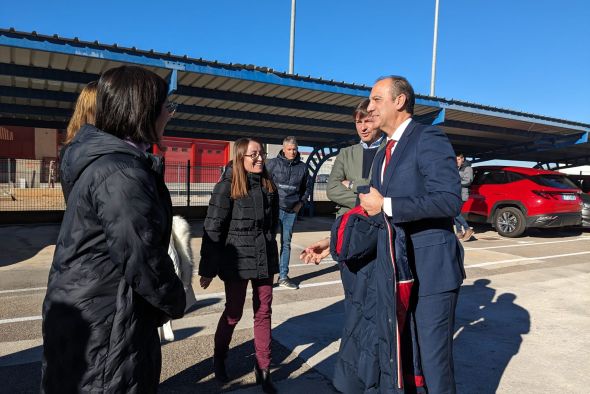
{"points": [[256, 155], [171, 107]]}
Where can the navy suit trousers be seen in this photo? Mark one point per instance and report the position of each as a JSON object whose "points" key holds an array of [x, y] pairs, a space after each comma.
{"points": [[435, 323]]}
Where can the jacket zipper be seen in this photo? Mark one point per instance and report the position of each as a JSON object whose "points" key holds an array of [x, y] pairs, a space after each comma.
{"points": [[400, 381]]}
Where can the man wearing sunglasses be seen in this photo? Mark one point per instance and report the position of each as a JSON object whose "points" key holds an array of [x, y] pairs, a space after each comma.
{"points": [[290, 176]]}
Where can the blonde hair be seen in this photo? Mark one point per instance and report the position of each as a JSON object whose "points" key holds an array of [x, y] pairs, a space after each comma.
{"points": [[84, 112], [239, 181]]}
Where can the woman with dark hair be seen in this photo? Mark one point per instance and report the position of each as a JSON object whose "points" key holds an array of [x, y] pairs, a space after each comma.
{"points": [[112, 282], [239, 245]]}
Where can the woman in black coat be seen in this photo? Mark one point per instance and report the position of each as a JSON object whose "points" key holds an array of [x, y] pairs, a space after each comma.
{"points": [[239, 245], [112, 283]]}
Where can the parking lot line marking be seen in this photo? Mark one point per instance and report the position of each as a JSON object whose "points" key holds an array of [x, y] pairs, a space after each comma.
{"points": [[20, 319], [200, 298], [324, 262], [531, 244], [525, 259], [295, 246], [22, 290], [327, 260]]}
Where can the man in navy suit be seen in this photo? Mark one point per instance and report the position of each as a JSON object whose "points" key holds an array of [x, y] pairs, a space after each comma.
{"points": [[416, 184]]}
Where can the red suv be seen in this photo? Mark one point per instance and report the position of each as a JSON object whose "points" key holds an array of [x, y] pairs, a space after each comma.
{"points": [[515, 198]]}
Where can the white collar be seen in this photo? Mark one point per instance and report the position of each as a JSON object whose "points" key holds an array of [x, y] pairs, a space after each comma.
{"points": [[397, 134]]}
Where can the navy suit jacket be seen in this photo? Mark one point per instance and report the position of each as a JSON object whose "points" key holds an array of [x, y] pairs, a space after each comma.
{"points": [[425, 190]]}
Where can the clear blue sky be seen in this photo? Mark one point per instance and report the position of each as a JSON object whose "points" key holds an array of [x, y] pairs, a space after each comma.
{"points": [[525, 55]]}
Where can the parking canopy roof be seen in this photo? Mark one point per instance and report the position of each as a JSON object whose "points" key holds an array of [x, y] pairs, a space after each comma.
{"points": [[41, 76]]}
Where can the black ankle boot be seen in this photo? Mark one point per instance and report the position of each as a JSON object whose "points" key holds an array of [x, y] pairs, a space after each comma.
{"points": [[263, 378], [219, 369]]}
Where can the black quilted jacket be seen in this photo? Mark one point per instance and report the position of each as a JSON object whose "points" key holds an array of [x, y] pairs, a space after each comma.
{"points": [[111, 282], [292, 180], [239, 235]]}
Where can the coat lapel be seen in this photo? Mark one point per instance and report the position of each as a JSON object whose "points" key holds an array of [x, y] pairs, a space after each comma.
{"points": [[398, 152], [376, 170]]}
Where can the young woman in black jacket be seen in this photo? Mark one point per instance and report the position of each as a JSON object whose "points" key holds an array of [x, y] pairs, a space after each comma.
{"points": [[239, 245]]}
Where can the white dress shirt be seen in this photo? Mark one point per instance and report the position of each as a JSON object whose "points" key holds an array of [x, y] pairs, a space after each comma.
{"points": [[397, 135]]}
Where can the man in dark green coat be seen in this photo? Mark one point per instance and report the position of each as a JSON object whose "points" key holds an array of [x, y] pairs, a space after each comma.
{"points": [[353, 164]]}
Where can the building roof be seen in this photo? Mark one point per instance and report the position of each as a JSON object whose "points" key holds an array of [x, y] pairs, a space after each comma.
{"points": [[41, 76]]}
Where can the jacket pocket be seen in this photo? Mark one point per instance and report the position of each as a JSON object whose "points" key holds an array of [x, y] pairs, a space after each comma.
{"points": [[430, 239]]}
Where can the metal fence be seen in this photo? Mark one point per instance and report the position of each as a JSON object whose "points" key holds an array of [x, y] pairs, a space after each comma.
{"points": [[191, 185], [34, 185], [29, 185]]}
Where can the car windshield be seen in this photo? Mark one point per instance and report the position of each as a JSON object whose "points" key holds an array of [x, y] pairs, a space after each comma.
{"points": [[557, 181]]}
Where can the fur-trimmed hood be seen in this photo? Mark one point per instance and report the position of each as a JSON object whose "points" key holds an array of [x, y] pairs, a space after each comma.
{"points": [[181, 254]]}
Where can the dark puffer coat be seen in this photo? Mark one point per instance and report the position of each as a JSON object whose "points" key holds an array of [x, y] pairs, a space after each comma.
{"points": [[239, 235], [379, 347], [111, 282], [291, 179]]}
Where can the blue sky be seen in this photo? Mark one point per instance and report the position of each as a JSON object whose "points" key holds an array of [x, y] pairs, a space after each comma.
{"points": [[525, 55]]}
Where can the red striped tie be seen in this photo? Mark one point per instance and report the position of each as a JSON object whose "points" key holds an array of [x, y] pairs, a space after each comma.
{"points": [[388, 148]]}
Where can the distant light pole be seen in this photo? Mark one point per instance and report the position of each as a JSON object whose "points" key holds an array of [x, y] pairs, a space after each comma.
{"points": [[292, 44], [433, 75]]}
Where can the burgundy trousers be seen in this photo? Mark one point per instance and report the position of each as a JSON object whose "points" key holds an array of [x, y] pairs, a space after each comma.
{"points": [[235, 296]]}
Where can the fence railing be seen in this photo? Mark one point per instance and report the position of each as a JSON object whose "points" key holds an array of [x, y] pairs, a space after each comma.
{"points": [[30, 185], [34, 185]]}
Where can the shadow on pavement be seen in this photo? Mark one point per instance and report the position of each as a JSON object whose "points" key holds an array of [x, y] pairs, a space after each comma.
{"points": [[302, 278], [316, 223], [314, 332], [240, 364], [21, 378], [202, 303], [183, 333], [21, 373], [558, 232], [563, 232], [488, 334], [25, 241]]}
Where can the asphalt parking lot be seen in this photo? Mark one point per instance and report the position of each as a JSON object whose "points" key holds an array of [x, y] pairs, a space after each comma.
{"points": [[521, 325]]}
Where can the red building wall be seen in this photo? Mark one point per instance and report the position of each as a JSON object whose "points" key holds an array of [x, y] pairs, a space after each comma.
{"points": [[205, 156], [23, 144]]}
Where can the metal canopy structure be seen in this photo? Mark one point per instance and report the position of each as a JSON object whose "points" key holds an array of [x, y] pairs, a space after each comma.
{"points": [[41, 76]]}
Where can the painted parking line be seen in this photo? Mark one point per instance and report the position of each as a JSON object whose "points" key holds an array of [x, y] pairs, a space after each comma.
{"points": [[299, 246], [201, 298], [20, 319], [583, 238], [556, 256], [22, 290], [330, 261], [204, 297], [326, 261]]}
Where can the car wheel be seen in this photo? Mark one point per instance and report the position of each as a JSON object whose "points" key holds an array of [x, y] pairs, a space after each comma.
{"points": [[509, 222]]}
